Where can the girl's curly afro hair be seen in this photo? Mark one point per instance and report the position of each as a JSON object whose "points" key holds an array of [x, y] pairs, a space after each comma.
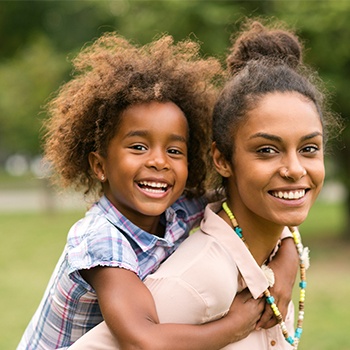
{"points": [[112, 74]]}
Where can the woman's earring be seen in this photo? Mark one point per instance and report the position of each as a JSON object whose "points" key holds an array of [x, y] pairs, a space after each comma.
{"points": [[102, 178], [285, 174]]}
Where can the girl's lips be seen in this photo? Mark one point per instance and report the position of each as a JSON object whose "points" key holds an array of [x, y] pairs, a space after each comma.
{"points": [[290, 195]]}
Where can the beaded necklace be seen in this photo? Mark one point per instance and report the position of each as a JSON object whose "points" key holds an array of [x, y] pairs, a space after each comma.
{"points": [[303, 263]]}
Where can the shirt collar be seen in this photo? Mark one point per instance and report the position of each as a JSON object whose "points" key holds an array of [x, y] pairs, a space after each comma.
{"points": [[143, 239], [252, 274]]}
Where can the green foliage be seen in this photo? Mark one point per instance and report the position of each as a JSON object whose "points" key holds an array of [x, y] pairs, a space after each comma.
{"points": [[37, 36], [26, 81]]}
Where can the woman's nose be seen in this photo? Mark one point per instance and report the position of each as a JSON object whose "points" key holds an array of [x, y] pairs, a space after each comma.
{"points": [[293, 169]]}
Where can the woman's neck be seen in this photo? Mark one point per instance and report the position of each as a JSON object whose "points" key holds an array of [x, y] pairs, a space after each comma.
{"points": [[260, 236]]}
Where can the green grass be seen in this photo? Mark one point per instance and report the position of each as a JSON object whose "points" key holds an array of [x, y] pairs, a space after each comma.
{"points": [[327, 301], [32, 243]]}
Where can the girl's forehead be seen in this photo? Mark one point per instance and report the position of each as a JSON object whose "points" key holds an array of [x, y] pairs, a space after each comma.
{"points": [[152, 117]]}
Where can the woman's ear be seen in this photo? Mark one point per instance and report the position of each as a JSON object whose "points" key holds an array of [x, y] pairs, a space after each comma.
{"points": [[96, 162], [222, 166]]}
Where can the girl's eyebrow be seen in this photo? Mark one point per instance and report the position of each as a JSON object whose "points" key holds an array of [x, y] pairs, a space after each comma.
{"points": [[136, 133], [272, 137], [144, 133]]}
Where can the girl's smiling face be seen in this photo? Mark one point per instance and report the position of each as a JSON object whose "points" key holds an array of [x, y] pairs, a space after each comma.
{"points": [[145, 169], [282, 135]]}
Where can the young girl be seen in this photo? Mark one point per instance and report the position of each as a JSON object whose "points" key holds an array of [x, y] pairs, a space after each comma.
{"points": [[132, 126], [269, 131]]}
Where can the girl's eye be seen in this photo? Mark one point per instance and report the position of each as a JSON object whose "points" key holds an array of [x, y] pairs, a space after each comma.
{"points": [[138, 147], [267, 150], [175, 151]]}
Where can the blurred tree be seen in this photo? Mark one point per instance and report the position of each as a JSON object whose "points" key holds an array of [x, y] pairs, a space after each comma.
{"points": [[37, 35], [26, 81], [67, 24]]}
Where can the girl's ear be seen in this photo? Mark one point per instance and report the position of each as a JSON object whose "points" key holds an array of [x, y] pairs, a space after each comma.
{"points": [[222, 166], [96, 162]]}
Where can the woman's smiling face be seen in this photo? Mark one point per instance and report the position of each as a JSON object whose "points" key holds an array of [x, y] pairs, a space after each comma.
{"points": [[282, 135]]}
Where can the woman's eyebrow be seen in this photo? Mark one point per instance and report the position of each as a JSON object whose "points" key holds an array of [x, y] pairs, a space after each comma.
{"points": [[266, 136], [272, 137], [311, 136]]}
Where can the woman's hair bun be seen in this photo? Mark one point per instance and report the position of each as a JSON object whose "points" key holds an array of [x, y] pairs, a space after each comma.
{"points": [[257, 41]]}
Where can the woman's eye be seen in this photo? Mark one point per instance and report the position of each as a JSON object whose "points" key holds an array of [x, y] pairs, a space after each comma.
{"points": [[268, 150], [309, 149]]}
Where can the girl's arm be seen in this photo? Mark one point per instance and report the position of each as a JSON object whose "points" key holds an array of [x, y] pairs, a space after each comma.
{"points": [[130, 314], [285, 267]]}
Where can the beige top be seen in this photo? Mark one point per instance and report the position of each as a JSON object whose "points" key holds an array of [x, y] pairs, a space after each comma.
{"points": [[198, 282]]}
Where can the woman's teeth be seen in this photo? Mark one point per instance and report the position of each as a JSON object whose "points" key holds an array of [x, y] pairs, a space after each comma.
{"points": [[289, 194]]}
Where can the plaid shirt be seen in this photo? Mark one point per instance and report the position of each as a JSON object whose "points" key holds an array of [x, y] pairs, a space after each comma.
{"points": [[104, 237]]}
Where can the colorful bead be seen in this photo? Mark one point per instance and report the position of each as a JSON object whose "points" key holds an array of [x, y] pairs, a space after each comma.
{"points": [[298, 332], [238, 230], [290, 340], [304, 264], [284, 328], [302, 284], [296, 238], [270, 300]]}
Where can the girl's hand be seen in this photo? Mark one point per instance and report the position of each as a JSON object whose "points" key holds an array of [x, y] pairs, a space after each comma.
{"points": [[285, 268], [245, 312]]}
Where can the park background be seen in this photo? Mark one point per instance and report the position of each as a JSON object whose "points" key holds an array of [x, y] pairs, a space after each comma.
{"points": [[38, 40]]}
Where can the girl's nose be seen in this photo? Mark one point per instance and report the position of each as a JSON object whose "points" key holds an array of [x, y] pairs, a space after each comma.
{"points": [[158, 160]]}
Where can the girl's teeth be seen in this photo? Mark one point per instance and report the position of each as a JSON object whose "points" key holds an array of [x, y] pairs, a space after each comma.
{"points": [[154, 187], [153, 190]]}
